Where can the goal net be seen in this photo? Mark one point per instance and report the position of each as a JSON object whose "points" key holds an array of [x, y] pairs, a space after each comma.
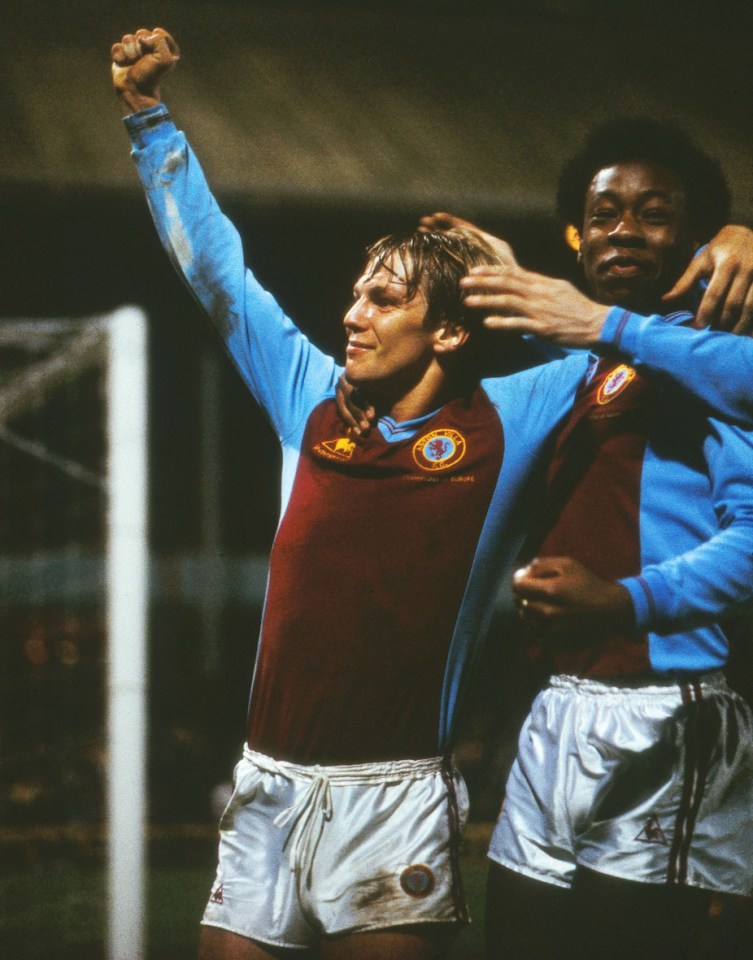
{"points": [[73, 590]]}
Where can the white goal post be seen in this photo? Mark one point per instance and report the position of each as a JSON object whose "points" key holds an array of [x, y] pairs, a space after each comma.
{"points": [[127, 620], [39, 360]]}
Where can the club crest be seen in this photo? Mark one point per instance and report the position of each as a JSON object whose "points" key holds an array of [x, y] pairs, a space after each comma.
{"points": [[417, 880], [615, 383], [439, 450]]}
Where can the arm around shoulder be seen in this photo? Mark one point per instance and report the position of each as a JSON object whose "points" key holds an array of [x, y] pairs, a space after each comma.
{"points": [[716, 367]]}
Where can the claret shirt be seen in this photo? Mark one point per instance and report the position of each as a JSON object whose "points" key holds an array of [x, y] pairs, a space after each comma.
{"points": [[367, 576], [389, 554], [639, 475]]}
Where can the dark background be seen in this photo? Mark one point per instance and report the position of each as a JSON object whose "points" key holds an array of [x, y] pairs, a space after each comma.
{"points": [[322, 126]]}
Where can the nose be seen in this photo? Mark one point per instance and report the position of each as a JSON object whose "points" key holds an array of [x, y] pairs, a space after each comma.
{"points": [[355, 318], [627, 231]]}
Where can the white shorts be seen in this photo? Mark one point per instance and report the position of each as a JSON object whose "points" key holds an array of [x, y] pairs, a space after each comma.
{"points": [[652, 783], [307, 852]]}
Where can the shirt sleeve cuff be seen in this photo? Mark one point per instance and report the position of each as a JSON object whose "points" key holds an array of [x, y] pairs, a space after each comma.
{"points": [[643, 601], [148, 125], [621, 327]]}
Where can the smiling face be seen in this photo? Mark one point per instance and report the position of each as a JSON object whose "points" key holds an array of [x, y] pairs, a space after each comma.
{"points": [[390, 348], [636, 238]]}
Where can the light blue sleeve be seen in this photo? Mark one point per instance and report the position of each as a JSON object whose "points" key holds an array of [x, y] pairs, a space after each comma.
{"points": [[715, 578], [548, 350], [716, 367], [534, 402], [286, 374]]}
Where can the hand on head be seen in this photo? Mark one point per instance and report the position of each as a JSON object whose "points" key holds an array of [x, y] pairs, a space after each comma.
{"points": [[447, 223], [140, 61], [519, 301]]}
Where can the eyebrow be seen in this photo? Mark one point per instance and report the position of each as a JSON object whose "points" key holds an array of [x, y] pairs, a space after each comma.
{"points": [[371, 283], [392, 278], [644, 195]]}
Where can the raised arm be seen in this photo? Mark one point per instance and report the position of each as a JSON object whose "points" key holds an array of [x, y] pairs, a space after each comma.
{"points": [[283, 370], [140, 62]]}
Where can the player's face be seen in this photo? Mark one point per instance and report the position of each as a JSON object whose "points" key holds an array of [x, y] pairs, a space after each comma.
{"points": [[389, 348], [636, 238]]}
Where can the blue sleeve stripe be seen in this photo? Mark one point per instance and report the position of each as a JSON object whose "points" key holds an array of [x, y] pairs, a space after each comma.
{"points": [[650, 602]]}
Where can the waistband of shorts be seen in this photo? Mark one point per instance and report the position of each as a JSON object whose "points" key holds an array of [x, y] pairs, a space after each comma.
{"points": [[691, 686], [383, 771]]}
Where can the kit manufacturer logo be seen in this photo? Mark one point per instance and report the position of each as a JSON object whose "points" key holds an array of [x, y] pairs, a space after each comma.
{"points": [[340, 449], [652, 832]]}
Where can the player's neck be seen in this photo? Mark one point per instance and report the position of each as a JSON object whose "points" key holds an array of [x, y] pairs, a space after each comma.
{"points": [[427, 395]]}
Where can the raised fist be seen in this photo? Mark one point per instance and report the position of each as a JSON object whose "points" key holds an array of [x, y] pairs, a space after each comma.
{"points": [[139, 63]]}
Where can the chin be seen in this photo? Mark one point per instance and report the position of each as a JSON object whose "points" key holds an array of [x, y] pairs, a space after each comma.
{"points": [[638, 299], [354, 377]]}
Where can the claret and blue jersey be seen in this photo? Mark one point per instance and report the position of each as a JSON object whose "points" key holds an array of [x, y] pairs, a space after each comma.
{"points": [[390, 552]]}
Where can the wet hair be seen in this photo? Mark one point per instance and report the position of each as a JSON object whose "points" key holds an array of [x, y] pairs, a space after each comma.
{"points": [[646, 140], [434, 263]]}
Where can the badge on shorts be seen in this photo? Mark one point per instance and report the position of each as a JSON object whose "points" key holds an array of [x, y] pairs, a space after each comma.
{"points": [[439, 449], [417, 880], [652, 832], [615, 383]]}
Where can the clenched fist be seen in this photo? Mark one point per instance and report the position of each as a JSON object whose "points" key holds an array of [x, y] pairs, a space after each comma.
{"points": [[140, 61]]}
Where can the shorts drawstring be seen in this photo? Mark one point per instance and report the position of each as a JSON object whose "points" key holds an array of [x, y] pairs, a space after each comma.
{"points": [[316, 799]]}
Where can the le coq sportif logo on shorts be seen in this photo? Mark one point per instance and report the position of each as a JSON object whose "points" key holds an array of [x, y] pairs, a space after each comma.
{"points": [[652, 832]]}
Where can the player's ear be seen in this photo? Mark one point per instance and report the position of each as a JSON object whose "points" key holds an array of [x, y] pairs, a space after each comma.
{"points": [[572, 239], [449, 337]]}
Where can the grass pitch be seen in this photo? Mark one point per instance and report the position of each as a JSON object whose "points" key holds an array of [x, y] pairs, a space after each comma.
{"points": [[58, 910]]}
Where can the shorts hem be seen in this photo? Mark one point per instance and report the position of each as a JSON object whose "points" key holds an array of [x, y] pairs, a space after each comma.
{"points": [[264, 940], [694, 884], [455, 923], [530, 872]]}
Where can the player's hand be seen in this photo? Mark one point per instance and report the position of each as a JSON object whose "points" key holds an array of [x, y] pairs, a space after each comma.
{"points": [[559, 599], [447, 223], [140, 61], [354, 410], [727, 263], [520, 301]]}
